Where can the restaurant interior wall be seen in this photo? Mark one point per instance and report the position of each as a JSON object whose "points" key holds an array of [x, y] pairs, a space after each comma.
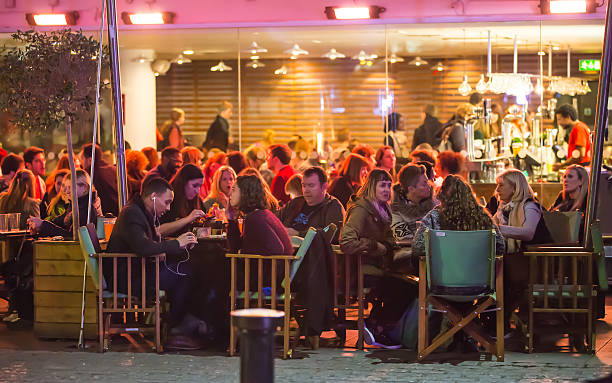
{"points": [[319, 95]]}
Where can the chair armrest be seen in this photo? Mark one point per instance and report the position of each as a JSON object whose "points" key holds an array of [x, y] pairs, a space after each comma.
{"points": [[255, 256], [558, 253], [128, 255], [566, 245]]}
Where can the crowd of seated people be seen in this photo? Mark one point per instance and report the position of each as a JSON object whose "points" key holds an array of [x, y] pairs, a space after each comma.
{"points": [[381, 209]]}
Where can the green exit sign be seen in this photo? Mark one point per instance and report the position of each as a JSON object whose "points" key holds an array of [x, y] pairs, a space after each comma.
{"points": [[589, 65]]}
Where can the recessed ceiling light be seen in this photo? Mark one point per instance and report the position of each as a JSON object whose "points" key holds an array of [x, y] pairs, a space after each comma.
{"points": [[354, 13], [52, 19], [188, 52], [147, 18]]}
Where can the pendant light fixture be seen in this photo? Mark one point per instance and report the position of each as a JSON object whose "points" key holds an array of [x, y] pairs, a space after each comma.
{"points": [[417, 61], [254, 49], [334, 54], [255, 64], [482, 86], [281, 71], [364, 58], [465, 88], [221, 67], [181, 60], [296, 51], [394, 59], [439, 67]]}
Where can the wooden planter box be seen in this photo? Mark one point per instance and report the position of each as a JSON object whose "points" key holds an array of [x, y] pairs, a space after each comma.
{"points": [[58, 283]]}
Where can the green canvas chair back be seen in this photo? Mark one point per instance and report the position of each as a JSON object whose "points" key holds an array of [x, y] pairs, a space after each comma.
{"points": [[302, 251], [564, 227], [88, 251], [598, 248], [460, 264], [100, 228]]}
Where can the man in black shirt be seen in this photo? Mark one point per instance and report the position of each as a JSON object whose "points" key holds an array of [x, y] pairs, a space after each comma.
{"points": [[137, 231], [315, 208], [171, 161]]}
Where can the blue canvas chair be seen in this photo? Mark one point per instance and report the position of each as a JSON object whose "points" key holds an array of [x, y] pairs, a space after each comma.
{"points": [[111, 301], [561, 281], [266, 296], [460, 267]]}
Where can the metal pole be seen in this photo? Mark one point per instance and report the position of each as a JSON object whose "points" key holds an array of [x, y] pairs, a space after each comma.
{"points": [[239, 96], [386, 112], [96, 114], [569, 58], [113, 44], [489, 62], [515, 63], [601, 125]]}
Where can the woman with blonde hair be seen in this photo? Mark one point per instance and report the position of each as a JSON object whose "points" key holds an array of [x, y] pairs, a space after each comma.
{"points": [[220, 188], [214, 162], [20, 197], [519, 216], [62, 224], [575, 190], [57, 202]]}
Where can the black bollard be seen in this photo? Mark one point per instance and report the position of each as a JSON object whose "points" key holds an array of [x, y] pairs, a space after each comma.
{"points": [[257, 327]]}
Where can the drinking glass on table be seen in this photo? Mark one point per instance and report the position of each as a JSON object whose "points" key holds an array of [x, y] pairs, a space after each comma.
{"points": [[4, 222]]}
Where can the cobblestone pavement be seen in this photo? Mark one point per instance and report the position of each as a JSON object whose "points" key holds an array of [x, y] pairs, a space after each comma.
{"points": [[325, 365]]}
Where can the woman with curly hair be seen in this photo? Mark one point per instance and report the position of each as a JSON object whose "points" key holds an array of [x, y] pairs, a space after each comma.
{"points": [[459, 211], [262, 232]]}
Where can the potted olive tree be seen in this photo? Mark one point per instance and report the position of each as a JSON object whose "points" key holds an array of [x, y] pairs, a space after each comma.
{"points": [[48, 81]]}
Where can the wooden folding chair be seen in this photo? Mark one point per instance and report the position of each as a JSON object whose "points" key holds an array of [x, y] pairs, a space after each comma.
{"points": [[460, 267], [561, 281], [259, 298], [113, 302]]}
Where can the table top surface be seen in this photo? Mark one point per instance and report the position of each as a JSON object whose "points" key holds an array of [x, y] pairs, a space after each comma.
{"points": [[14, 233]]}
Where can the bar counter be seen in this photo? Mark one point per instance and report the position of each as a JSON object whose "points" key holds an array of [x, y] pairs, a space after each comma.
{"points": [[545, 191]]}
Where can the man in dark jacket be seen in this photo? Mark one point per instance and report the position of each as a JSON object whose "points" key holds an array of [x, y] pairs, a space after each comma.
{"points": [[171, 161], [104, 179], [218, 133], [135, 232], [430, 132], [315, 208]]}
